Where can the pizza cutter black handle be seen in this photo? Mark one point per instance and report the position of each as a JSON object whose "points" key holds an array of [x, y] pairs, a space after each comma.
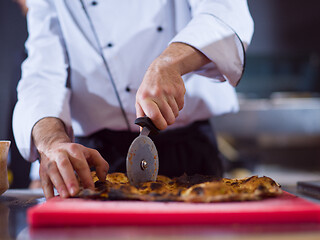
{"points": [[146, 122]]}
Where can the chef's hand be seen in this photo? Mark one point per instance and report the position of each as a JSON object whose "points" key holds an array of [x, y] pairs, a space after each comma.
{"points": [[161, 93], [60, 159]]}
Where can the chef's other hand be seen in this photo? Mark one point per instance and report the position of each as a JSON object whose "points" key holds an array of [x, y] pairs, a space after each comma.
{"points": [[60, 159], [161, 93]]}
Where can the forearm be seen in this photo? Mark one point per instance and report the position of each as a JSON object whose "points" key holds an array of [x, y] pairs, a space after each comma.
{"points": [[182, 57], [48, 131]]}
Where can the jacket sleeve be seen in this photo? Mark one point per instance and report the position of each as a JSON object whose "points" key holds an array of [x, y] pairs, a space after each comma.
{"points": [[221, 30], [42, 90]]}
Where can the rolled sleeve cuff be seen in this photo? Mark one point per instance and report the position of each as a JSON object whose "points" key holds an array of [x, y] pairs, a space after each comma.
{"points": [[33, 106], [217, 41]]}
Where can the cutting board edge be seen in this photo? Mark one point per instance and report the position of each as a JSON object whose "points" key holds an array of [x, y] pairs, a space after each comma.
{"points": [[39, 218]]}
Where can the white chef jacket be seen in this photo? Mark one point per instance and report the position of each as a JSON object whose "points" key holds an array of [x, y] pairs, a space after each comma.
{"points": [[64, 75]]}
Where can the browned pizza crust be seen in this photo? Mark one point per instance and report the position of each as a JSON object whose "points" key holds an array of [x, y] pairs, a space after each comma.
{"points": [[197, 188]]}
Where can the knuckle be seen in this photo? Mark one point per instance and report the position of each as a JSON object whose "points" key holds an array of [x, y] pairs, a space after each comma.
{"points": [[105, 164], [162, 125], [107, 167], [60, 189], [184, 90], [181, 92], [64, 163], [176, 113], [51, 166], [43, 176], [156, 91], [170, 121], [81, 166], [142, 95], [138, 98], [74, 147], [169, 91], [154, 115], [181, 103], [95, 152], [151, 92], [72, 184], [45, 182], [42, 169]]}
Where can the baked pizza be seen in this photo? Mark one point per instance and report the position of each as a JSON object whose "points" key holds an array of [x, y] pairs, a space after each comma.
{"points": [[196, 188]]}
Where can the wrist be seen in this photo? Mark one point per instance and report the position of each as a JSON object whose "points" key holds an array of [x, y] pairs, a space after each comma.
{"points": [[181, 58], [165, 63], [49, 132], [173, 57], [48, 142]]}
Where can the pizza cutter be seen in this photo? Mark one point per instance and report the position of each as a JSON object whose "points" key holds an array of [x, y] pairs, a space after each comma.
{"points": [[142, 159]]}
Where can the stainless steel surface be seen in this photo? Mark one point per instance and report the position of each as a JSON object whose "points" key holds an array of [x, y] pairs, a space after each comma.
{"points": [[226, 232], [13, 207], [276, 116], [145, 131]]}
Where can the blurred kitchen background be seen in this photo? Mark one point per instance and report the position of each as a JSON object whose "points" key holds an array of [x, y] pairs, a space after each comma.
{"points": [[277, 131]]}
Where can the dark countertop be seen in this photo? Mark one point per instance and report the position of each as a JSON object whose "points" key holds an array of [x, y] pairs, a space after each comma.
{"points": [[13, 225], [13, 206]]}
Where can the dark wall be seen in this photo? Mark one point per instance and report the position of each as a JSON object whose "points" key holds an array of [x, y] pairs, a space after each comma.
{"points": [[285, 27], [13, 34], [284, 55]]}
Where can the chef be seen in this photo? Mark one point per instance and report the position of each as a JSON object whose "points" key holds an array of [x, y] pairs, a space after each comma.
{"points": [[94, 66]]}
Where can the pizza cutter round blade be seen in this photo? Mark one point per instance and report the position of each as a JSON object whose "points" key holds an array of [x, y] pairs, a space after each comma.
{"points": [[142, 158], [142, 161]]}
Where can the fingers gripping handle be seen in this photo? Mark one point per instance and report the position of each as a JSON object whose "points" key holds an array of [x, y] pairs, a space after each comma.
{"points": [[146, 122]]}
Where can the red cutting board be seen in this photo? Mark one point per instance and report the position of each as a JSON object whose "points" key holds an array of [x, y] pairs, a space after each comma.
{"points": [[79, 212]]}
